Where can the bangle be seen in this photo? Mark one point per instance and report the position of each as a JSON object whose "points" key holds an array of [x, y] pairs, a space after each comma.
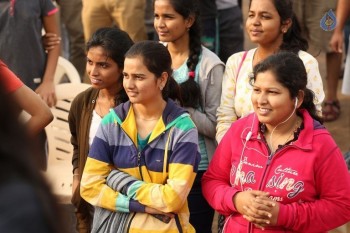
{"points": [[75, 174]]}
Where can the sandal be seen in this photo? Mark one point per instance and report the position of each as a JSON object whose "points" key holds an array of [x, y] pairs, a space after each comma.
{"points": [[330, 110]]}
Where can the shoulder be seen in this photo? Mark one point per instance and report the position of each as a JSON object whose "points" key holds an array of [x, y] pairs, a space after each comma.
{"points": [[236, 58], [307, 58], [209, 55], [83, 100], [86, 96]]}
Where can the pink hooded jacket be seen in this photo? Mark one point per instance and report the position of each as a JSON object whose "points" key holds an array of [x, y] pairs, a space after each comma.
{"points": [[308, 178]]}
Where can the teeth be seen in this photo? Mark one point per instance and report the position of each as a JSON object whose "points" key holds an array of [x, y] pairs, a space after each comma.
{"points": [[264, 110]]}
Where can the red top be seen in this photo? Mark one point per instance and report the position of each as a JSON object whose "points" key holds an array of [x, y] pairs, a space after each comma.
{"points": [[8, 79]]}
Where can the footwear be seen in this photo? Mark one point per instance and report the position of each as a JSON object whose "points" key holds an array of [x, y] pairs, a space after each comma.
{"points": [[330, 110]]}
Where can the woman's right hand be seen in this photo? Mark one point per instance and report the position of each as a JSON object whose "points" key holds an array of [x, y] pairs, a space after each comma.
{"points": [[162, 216], [76, 183]]}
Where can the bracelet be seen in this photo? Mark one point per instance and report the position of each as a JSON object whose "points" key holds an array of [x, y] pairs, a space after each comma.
{"points": [[75, 174]]}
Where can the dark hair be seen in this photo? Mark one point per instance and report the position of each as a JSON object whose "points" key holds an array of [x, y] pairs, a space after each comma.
{"points": [[116, 43], [157, 59], [190, 91], [18, 169], [292, 39], [290, 71]]}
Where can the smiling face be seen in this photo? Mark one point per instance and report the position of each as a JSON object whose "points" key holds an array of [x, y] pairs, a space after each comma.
{"points": [[103, 72], [271, 101], [263, 24], [141, 86], [170, 25]]}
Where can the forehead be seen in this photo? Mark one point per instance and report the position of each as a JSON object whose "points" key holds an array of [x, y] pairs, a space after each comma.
{"points": [[263, 5], [163, 5], [97, 51], [267, 79], [134, 63]]}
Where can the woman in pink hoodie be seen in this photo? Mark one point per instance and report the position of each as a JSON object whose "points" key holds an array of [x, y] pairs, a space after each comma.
{"points": [[278, 169]]}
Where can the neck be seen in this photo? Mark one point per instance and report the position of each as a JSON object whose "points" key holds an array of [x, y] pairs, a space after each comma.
{"points": [[180, 46], [262, 53], [284, 127], [149, 112], [109, 94]]}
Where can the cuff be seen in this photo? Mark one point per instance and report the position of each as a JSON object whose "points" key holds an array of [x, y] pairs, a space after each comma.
{"points": [[228, 199], [133, 187], [135, 206]]}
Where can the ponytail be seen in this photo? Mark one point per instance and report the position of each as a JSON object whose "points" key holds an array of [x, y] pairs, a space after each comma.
{"points": [[292, 40]]}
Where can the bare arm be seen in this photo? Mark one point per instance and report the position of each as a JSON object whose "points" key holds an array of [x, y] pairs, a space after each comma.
{"points": [[343, 10], [40, 113], [47, 89]]}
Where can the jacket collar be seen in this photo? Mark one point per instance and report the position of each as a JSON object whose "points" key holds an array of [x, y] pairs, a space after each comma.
{"points": [[124, 116], [306, 136]]}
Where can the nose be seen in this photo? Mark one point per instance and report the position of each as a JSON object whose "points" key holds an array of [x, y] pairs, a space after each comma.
{"points": [[262, 99], [255, 20], [128, 83], [159, 22], [92, 70]]}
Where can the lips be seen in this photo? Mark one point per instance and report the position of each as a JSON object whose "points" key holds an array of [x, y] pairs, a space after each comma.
{"points": [[255, 32], [264, 111], [162, 33], [95, 81]]}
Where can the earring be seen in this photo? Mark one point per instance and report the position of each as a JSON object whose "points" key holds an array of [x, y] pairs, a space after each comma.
{"points": [[161, 88]]}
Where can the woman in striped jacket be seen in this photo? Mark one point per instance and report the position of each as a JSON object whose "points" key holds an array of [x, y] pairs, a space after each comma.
{"points": [[152, 145]]}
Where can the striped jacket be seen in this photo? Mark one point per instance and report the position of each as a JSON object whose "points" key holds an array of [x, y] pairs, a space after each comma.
{"points": [[164, 179]]}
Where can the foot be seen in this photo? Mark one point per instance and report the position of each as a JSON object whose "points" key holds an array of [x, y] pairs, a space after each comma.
{"points": [[330, 110]]}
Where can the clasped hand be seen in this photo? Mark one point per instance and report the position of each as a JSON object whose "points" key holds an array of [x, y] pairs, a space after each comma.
{"points": [[256, 207]]}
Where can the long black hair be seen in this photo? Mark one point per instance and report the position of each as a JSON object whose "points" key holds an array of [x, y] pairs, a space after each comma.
{"points": [[157, 59], [289, 71], [116, 43], [292, 39]]}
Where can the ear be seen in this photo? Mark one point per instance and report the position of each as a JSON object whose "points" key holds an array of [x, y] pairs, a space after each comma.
{"points": [[300, 98], [190, 21], [286, 24], [163, 80]]}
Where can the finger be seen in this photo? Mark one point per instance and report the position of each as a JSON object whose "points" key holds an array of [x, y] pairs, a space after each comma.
{"points": [[260, 193], [263, 201], [257, 214], [258, 221], [262, 227]]}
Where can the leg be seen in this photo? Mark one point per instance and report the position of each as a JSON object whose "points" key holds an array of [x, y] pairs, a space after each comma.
{"points": [[71, 18], [201, 214], [230, 32], [331, 107], [129, 15], [94, 16]]}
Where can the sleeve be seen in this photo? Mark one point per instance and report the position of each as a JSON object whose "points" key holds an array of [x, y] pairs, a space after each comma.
{"points": [[226, 113], [48, 8], [206, 121], [314, 80], [183, 165], [332, 207], [216, 186], [8, 79], [93, 186], [73, 120]]}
